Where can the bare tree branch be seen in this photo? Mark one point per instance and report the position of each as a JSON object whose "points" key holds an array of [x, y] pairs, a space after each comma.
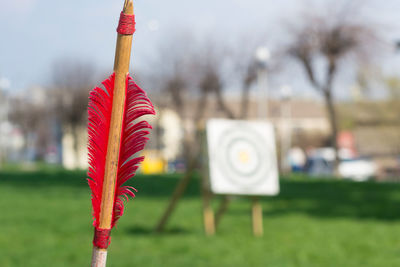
{"points": [[331, 39]]}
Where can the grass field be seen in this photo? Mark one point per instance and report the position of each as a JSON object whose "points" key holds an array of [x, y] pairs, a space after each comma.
{"points": [[45, 221]]}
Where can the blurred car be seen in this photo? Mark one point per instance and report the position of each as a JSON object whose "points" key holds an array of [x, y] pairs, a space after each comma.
{"points": [[318, 166], [357, 169], [321, 163], [178, 165]]}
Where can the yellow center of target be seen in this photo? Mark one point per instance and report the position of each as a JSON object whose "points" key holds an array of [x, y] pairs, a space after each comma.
{"points": [[244, 157]]}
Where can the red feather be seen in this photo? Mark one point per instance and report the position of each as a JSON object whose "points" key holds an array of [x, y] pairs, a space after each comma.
{"points": [[133, 140]]}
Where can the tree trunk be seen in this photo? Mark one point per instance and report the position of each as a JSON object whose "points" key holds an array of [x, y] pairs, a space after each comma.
{"points": [[333, 124], [245, 102], [222, 105]]}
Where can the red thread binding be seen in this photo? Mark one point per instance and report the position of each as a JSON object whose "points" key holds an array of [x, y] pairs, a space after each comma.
{"points": [[126, 24], [102, 238]]}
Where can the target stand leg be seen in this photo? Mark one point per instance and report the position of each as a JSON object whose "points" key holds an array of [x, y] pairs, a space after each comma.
{"points": [[257, 218], [209, 225], [208, 213]]}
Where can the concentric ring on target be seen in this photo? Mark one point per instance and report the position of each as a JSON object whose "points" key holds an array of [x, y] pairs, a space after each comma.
{"points": [[243, 156]]}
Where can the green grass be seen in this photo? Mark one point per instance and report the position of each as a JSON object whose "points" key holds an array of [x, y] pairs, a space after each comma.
{"points": [[45, 221]]}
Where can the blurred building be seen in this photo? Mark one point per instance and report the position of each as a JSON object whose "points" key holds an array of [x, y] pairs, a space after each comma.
{"points": [[11, 137], [307, 121], [308, 125], [164, 144], [74, 149]]}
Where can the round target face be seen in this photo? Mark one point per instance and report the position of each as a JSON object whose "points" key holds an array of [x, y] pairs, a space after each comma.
{"points": [[243, 156]]}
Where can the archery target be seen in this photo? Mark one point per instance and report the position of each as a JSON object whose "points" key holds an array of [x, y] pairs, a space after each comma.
{"points": [[242, 157]]}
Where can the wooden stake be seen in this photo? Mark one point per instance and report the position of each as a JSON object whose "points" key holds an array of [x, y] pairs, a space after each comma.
{"points": [[121, 69], [209, 225], [208, 213], [256, 211]]}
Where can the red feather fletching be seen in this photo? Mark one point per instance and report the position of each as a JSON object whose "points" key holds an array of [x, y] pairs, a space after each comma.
{"points": [[133, 140]]}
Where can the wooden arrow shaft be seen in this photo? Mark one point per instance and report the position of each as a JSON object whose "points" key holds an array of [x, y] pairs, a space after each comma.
{"points": [[121, 70]]}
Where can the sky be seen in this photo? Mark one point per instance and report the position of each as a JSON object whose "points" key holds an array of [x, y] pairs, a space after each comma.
{"points": [[35, 33]]}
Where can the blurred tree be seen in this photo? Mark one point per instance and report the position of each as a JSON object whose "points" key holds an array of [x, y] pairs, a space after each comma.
{"points": [[209, 69], [246, 67], [33, 119], [247, 82], [187, 73], [322, 42], [190, 73], [393, 84], [72, 81]]}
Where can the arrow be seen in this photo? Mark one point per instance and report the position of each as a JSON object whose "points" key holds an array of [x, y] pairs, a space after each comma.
{"points": [[115, 136]]}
